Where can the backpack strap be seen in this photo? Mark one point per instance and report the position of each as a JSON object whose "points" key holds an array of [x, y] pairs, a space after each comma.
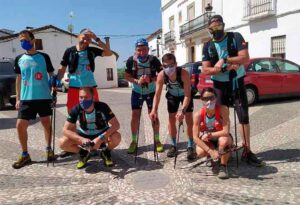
{"points": [[231, 45], [74, 59], [178, 77], [82, 119], [202, 119], [91, 56]]}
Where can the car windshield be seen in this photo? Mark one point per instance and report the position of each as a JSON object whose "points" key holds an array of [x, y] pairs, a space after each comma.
{"points": [[6, 68]]}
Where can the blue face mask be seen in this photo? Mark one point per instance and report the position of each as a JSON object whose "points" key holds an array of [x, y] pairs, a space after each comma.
{"points": [[26, 45], [85, 104], [142, 58]]}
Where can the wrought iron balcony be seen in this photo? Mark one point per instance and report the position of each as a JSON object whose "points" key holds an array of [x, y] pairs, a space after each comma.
{"points": [[197, 24], [254, 9], [169, 37]]}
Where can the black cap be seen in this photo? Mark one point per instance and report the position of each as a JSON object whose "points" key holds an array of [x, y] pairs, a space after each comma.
{"points": [[215, 18]]}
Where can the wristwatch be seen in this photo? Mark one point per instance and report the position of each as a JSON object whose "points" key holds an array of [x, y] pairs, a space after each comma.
{"points": [[225, 60], [97, 39]]}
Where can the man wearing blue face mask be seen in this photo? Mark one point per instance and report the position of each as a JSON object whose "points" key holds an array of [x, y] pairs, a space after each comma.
{"points": [[179, 91], [97, 124], [223, 58], [32, 94], [141, 71]]}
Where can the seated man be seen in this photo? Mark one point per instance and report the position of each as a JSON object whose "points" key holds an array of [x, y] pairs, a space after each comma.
{"points": [[94, 118], [214, 126]]}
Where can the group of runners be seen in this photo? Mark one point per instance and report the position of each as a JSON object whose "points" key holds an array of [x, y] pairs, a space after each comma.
{"points": [[207, 131]]}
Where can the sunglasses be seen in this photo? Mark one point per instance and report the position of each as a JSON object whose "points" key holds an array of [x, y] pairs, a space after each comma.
{"points": [[209, 98], [170, 65], [216, 28]]}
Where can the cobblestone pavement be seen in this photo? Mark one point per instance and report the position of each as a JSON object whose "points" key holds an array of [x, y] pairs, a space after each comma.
{"points": [[275, 138]]}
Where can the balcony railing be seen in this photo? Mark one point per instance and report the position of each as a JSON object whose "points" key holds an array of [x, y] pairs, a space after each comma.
{"points": [[169, 37], [258, 8], [196, 24]]}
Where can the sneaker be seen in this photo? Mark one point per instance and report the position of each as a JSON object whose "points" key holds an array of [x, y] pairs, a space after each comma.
{"points": [[159, 146], [106, 156], [191, 155], [64, 154], [132, 147], [223, 172], [172, 152], [251, 159], [22, 161], [83, 161], [50, 156]]}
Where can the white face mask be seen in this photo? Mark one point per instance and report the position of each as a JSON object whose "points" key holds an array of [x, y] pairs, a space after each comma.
{"points": [[210, 105], [170, 70]]}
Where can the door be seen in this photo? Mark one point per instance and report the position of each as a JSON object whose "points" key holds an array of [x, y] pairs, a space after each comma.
{"points": [[291, 76], [265, 76]]}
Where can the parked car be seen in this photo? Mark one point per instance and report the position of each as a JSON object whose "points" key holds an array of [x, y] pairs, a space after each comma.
{"points": [[64, 83], [266, 78], [194, 70], [7, 82], [122, 83]]}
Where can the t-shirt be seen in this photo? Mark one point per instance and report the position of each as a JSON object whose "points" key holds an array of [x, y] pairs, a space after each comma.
{"points": [[222, 50], [143, 68], [34, 71], [83, 75], [101, 109]]}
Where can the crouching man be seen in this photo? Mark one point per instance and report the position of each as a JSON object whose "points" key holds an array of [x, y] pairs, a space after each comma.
{"points": [[97, 127]]}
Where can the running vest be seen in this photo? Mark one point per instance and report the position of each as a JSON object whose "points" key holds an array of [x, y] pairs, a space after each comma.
{"points": [[231, 46], [148, 70], [101, 121], [217, 122], [74, 59]]}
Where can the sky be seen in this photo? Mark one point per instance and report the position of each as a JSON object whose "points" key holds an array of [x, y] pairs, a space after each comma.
{"points": [[104, 17]]}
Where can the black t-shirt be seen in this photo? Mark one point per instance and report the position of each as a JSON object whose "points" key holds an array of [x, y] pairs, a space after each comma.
{"points": [[95, 121], [66, 60]]}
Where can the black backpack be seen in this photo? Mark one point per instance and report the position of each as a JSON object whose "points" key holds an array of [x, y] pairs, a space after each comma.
{"points": [[231, 47], [100, 118], [134, 65], [178, 78], [74, 59]]}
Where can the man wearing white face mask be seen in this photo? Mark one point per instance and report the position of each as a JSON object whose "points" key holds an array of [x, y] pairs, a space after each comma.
{"points": [[179, 91]]}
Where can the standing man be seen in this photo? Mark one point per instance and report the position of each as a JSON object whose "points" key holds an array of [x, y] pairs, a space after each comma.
{"points": [[32, 94], [179, 91], [223, 58], [141, 71], [97, 123], [80, 60]]}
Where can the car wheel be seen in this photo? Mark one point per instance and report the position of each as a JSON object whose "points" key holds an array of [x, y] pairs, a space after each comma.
{"points": [[251, 95]]}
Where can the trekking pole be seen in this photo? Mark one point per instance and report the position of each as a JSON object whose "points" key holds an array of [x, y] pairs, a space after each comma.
{"points": [[53, 137], [154, 142], [49, 140], [138, 131], [178, 132]]}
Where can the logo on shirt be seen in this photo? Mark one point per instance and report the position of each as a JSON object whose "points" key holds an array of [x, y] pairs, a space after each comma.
{"points": [[38, 76], [88, 67]]}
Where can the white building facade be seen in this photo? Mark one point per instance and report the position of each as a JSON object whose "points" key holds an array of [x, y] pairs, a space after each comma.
{"points": [[54, 42], [269, 26], [155, 45]]}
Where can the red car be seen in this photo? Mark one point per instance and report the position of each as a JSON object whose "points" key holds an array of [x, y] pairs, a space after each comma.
{"points": [[266, 78]]}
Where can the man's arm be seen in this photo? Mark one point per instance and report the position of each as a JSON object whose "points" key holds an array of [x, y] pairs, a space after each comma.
{"points": [[61, 71], [158, 91], [69, 131], [187, 89], [18, 88]]}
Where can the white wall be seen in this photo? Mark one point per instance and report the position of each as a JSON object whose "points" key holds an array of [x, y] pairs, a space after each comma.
{"points": [[54, 44], [258, 32]]}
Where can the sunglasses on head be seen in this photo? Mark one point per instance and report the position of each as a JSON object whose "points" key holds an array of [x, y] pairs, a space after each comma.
{"points": [[209, 98]]}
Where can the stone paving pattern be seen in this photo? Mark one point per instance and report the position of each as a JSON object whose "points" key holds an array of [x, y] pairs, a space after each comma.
{"points": [[275, 138]]}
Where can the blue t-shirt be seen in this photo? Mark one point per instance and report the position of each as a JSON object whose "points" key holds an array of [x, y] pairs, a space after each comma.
{"points": [[143, 68], [222, 50], [83, 76], [34, 71]]}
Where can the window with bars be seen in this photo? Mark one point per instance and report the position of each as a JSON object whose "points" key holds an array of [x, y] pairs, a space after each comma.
{"points": [[278, 46], [109, 73]]}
